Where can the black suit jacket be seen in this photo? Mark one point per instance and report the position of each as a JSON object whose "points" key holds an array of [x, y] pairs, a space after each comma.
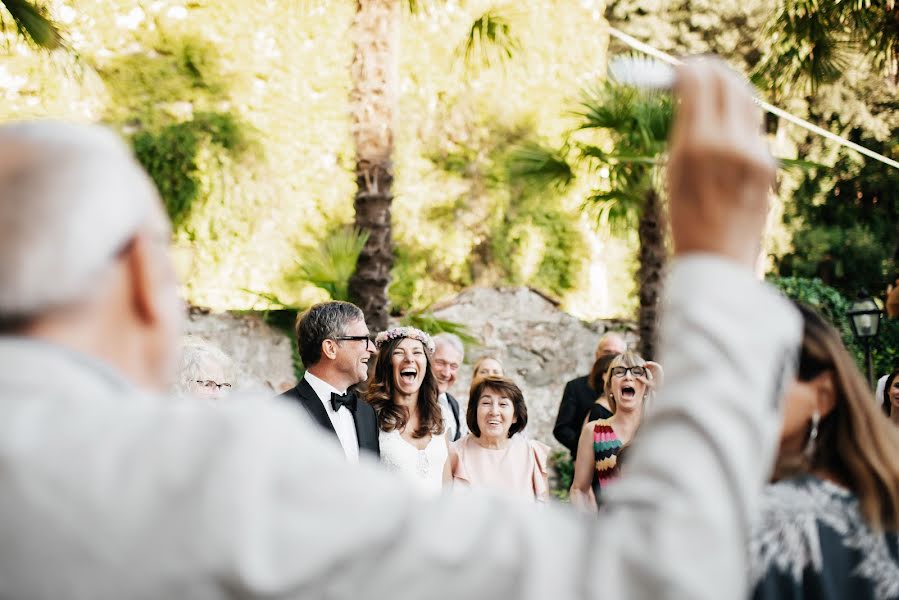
{"points": [[364, 417], [577, 401], [454, 406]]}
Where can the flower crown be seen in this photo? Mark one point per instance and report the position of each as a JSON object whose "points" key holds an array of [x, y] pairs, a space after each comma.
{"points": [[405, 332]]}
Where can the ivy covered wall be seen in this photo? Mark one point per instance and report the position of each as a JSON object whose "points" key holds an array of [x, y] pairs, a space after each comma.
{"points": [[239, 112]]}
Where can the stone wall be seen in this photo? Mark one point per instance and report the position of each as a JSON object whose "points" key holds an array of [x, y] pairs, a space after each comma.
{"points": [[261, 355], [540, 346]]}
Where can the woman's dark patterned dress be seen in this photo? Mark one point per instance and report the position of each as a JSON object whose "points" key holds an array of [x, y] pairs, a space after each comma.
{"points": [[811, 541]]}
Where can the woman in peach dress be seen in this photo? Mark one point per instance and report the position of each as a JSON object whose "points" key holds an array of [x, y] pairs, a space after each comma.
{"points": [[492, 455]]}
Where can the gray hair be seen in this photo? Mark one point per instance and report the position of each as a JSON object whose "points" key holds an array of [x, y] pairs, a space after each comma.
{"points": [[452, 340], [323, 321], [71, 197], [198, 357]]}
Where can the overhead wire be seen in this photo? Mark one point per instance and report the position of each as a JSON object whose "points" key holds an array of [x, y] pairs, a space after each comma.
{"points": [[665, 57]]}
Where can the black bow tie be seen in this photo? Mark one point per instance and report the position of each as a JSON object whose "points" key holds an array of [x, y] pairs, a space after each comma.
{"points": [[348, 400]]}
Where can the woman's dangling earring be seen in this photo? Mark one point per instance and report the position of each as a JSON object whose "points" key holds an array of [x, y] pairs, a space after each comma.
{"points": [[809, 451]]}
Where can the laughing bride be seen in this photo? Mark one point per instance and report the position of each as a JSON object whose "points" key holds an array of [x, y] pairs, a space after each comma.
{"points": [[403, 391]]}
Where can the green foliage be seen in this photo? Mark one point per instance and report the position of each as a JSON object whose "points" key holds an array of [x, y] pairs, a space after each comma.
{"points": [[637, 124], [834, 307], [154, 65], [330, 265], [170, 157], [428, 323], [540, 246], [491, 40], [816, 41], [844, 219], [885, 350], [543, 166], [564, 467], [820, 296], [32, 24]]}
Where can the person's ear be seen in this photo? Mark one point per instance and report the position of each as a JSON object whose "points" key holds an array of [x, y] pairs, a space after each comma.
{"points": [[139, 261], [329, 349], [825, 392]]}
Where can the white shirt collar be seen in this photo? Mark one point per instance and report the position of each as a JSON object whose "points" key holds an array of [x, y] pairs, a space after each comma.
{"points": [[322, 388]]}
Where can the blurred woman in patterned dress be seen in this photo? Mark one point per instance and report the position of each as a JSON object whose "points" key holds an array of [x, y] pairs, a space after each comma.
{"points": [[827, 527]]}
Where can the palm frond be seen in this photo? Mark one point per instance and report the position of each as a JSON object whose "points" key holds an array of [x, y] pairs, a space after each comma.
{"points": [[32, 25], [614, 158], [540, 165], [615, 210], [432, 325], [799, 164], [331, 265], [608, 106], [490, 41], [814, 44]]}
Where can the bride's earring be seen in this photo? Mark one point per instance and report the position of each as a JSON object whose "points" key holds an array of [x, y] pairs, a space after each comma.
{"points": [[809, 451]]}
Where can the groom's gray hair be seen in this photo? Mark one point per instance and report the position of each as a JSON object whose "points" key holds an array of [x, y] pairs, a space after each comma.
{"points": [[71, 197]]}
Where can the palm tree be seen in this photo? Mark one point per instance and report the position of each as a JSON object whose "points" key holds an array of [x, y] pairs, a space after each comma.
{"points": [[372, 104], [815, 41], [32, 24], [638, 125], [629, 195]]}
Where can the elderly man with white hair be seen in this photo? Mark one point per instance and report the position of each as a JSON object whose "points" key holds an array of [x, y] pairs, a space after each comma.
{"points": [[106, 492], [204, 370], [448, 356]]}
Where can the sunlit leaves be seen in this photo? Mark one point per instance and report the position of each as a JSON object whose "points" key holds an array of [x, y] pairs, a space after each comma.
{"points": [[32, 24], [490, 41], [330, 265], [541, 165]]}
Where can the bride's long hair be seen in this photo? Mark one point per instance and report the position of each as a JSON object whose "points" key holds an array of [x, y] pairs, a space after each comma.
{"points": [[381, 389]]}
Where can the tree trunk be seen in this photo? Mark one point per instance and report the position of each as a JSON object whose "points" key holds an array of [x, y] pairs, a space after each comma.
{"points": [[650, 274], [372, 101]]}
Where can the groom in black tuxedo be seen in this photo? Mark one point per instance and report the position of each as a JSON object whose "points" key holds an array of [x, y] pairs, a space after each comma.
{"points": [[335, 347]]}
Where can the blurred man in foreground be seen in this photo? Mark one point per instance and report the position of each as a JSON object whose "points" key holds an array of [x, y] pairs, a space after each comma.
{"points": [[106, 492]]}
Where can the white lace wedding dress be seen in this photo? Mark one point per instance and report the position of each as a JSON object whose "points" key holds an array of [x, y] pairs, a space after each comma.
{"points": [[423, 468]]}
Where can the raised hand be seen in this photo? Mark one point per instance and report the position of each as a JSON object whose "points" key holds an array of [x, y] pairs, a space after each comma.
{"points": [[719, 170]]}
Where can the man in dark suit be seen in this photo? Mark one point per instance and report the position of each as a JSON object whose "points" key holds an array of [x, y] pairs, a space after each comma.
{"points": [[335, 347], [578, 397]]}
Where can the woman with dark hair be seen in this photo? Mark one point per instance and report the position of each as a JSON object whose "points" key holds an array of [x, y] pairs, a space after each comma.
{"points": [[828, 525], [600, 408], [492, 455], [891, 396], [627, 383], [403, 392]]}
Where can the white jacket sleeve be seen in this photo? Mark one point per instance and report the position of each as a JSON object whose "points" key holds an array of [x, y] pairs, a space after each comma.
{"points": [[675, 524]]}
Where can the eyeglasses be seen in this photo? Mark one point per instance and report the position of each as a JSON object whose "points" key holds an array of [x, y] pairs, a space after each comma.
{"points": [[354, 338], [622, 371], [212, 385]]}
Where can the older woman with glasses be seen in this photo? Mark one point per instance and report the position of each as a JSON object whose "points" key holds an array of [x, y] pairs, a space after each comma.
{"points": [[495, 455], [628, 381], [204, 371]]}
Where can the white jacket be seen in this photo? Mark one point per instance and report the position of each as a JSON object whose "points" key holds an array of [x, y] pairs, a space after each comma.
{"points": [[106, 492]]}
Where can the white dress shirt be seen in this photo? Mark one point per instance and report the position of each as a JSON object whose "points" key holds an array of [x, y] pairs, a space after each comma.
{"points": [[449, 420], [109, 493], [341, 419], [878, 389]]}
